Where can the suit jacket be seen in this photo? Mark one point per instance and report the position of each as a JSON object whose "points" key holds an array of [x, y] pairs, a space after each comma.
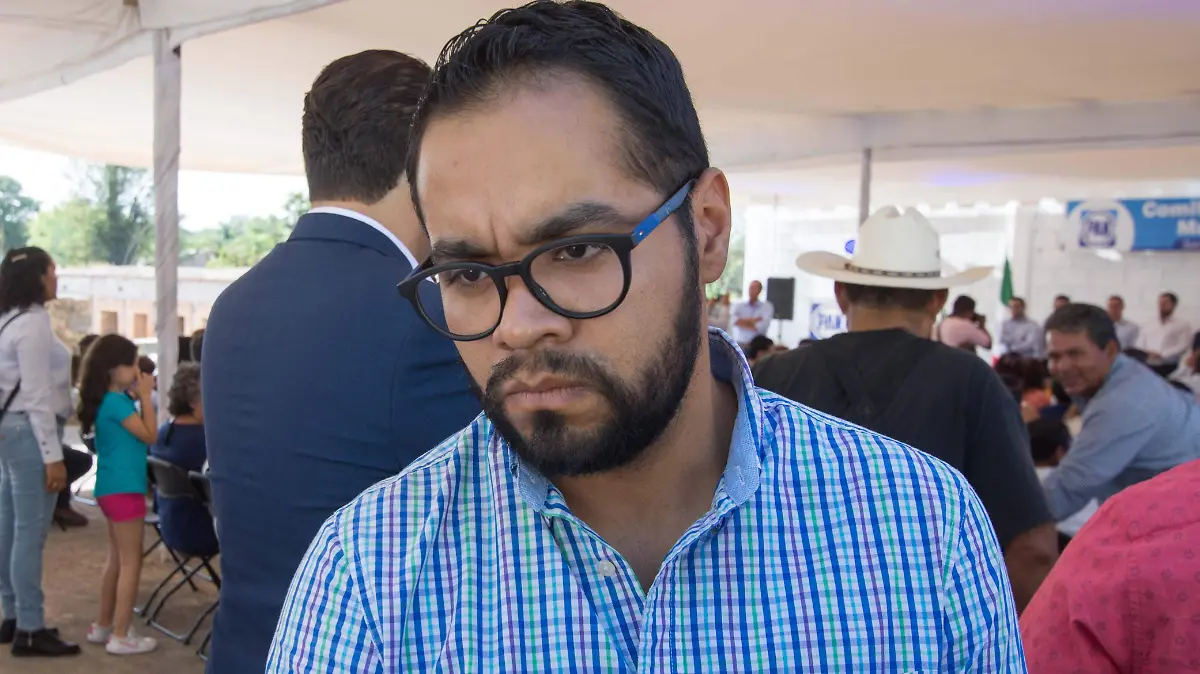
{"points": [[319, 380]]}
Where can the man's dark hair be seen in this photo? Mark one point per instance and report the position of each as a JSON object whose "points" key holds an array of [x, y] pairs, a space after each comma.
{"points": [[196, 347], [146, 364], [355, 125], [873, 297], [1117, 298], [1063, 298], [1017, 299], [21, 274], [1046, 437], [662, 144], [964, 305], [1088, 318], [1173, 297]]}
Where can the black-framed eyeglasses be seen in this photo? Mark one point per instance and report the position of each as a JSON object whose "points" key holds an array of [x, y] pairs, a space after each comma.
{"points": [[578, 277]]}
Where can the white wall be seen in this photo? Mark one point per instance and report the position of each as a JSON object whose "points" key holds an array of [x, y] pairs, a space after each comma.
{"points": [[1047, 262], [775, 236]]}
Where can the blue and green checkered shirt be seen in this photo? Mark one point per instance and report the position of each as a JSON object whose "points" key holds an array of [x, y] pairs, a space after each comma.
{"points": [[828, 548]]}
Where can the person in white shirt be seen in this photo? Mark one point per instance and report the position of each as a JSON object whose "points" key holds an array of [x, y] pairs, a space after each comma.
{"points": [[1127, 331], [34, 394], [1168, 339], [752, 318]]}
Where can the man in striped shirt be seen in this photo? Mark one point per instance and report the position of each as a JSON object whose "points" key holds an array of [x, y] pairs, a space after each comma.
{"points": [[628, 501]]}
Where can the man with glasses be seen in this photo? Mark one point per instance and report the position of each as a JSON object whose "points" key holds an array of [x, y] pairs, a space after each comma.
{"points": [[629, 501]]}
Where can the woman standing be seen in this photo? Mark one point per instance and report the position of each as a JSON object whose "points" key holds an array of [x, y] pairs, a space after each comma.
{"points": [[31, 464]]}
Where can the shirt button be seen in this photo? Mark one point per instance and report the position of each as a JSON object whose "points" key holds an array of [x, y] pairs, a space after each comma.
{"points": [[606, 569]]}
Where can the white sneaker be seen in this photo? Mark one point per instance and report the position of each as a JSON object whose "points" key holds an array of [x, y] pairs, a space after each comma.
{"points": [[130, 644], [98, 635]]}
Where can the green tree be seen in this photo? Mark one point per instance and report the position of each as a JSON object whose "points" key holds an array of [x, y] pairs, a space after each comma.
{"points": [[108, 220], [16, 209], [242, 241], [297, 204], [126, 233], [67, 231]]}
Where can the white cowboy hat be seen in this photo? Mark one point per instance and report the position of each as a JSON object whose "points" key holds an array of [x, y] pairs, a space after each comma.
{"points": [[893, 250]]}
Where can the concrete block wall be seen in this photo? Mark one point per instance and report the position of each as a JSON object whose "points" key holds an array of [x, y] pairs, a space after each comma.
{"points": [[1047, 262]]}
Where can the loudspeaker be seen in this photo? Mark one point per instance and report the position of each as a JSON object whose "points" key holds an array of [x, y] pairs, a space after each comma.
{"points": [[781, 292]]}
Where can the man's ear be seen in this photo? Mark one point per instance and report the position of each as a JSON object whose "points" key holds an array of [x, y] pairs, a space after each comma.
{"points": [[839, 293], [939, 301], [711, 221]]}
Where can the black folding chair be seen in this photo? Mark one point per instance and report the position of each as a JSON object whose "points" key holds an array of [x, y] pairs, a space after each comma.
{"points": [[172, 482], [204, 486], [152, 521]]}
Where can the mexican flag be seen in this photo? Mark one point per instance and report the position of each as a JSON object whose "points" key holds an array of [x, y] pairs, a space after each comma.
{"points": [[1006, 290]]}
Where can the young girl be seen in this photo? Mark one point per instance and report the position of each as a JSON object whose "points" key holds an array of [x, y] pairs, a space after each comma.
{"points": [[109, 370]]}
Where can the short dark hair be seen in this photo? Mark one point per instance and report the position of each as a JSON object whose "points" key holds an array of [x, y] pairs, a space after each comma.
{"points": [[1016, 299], [196, 347], [185, 390], [147, 365], [1088, 318], [21, 273], [1117, 298], [1171, 296], [662, 143], [964, 305], [875, 297], [1046, 437], [355, 125], [758, 346], [1063, 298]]}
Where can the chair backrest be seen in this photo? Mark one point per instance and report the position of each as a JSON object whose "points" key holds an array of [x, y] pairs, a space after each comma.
{"points": [[204, 486], [170, 480]]}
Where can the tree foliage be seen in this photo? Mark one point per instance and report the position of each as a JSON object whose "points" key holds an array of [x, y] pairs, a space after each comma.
{"points": [[16, 209], [242, 241], [110, 219]]}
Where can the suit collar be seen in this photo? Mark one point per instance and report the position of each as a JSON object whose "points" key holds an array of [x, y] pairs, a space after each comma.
{"points": [[350, 227]]}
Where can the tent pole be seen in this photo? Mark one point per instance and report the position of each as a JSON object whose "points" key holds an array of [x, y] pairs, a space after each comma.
{"points": [[167, 96], [864, 187]]}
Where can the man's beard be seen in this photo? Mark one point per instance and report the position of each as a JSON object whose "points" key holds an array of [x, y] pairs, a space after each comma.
{"points": [[640, 412]]}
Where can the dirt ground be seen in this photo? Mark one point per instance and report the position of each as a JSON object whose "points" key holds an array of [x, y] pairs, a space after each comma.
{"points": [[74, 563]]}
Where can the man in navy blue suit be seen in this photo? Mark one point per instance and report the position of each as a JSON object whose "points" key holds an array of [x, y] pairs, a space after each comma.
{"points": [[319, 379]]}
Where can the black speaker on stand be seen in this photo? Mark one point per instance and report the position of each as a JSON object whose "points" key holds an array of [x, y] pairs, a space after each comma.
{"points": [[781, 293]]}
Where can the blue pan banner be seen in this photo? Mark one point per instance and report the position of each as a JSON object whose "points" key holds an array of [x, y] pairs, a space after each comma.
{"points": [[1136, 224]]}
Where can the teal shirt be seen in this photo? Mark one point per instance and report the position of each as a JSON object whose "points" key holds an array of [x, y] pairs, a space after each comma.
{"points": [[121, 458]]}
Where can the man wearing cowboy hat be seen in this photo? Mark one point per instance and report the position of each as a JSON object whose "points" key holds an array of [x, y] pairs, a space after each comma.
{"points": [[885, 374]]}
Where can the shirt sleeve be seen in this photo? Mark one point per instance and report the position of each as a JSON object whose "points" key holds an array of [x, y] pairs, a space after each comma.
{"points": [[978, 613], [1177, 342], [765, 318], [322, 627], [33, 343], [1109, 440], [999, 465]]}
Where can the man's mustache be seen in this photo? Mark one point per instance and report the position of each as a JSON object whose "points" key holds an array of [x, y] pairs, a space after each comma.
{"points": [[567, 365]]}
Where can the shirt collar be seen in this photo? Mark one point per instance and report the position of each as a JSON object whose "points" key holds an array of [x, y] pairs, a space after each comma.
{"points": [[373, 223], [747, 449]]}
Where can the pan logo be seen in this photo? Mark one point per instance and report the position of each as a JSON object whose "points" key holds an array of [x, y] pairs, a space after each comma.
{"points": [[1098, 228], [825, 320], [1101, 225]]}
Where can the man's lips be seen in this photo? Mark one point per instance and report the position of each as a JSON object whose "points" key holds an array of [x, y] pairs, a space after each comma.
{"points": [[543, 393]]}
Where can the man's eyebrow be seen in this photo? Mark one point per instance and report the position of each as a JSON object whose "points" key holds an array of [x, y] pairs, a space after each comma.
{"points": [[574, 218], [452, 250], [564, 223]]}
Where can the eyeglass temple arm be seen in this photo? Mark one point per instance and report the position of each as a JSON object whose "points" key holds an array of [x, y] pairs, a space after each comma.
{"points": [[655, 219]]}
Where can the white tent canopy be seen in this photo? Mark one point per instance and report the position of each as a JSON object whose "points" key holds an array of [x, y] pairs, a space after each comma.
{"points": [[779, 84]]}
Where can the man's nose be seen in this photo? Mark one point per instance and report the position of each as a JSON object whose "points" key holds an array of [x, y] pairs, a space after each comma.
{"points": [[526, 322]]}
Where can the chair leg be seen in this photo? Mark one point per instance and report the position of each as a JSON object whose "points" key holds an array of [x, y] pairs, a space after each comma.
{"points": [[185, 637], [182, 562], [145, 608]]}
